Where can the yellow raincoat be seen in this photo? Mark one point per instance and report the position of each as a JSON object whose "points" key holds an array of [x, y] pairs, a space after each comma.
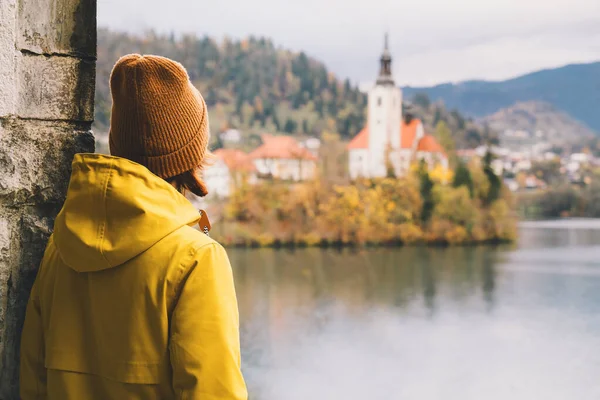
{"points": [[130, 301]]}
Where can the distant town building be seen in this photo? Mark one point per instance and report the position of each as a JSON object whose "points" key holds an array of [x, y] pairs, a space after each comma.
{"points": [[313, 145], [389, 140], [231, 136], [230, 168], [533, 182], [282, 157], [579, 157]]}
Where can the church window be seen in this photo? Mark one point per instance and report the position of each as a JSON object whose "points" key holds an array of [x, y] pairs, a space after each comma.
{"points": [[379, 101]]}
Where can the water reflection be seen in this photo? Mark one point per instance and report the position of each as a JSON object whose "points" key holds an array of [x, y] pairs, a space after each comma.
{"points": [[271, 281], [423, 323]]}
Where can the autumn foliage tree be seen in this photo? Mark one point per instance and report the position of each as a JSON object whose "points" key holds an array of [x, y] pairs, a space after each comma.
{"points": [[414, 208]]}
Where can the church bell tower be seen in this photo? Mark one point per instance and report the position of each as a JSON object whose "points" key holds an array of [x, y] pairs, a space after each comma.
{"points": [[385, 116]]}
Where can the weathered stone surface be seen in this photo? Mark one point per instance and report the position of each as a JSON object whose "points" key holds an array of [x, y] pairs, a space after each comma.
{"points": [[46, 108], [29, 232], [58, 27], [33, 171], [55, 88], [7, 57], [35, 163]]}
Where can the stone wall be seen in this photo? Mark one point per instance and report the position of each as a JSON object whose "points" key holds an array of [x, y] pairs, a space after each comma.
{"points": [[47, 72]]}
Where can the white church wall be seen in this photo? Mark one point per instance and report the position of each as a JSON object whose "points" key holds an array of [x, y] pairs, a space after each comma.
{"points": [[385, 114], [358, 160], [420, 133], [405, 159]]}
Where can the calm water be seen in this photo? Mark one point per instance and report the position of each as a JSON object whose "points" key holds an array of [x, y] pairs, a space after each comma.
{"points": [[515, 322]]}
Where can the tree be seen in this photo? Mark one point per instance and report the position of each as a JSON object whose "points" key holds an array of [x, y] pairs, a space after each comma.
{"points": [[421, 99], [290, 126], [319, 107], [347, 87], [495, 183], [461, 124], [444, 135], [426, 189], [276, 122], [437, 116], [548, 171], [473, 137], [217, 142], [455, 205], [462, 177]]}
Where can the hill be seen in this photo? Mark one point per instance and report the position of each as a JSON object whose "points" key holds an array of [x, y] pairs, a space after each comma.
{"points": [[248, 84], [541, 119], [573, 89], [256, 87]]}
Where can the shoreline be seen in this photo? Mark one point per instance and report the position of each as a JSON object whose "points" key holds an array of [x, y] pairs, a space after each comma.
{"points": [[336, 245]]}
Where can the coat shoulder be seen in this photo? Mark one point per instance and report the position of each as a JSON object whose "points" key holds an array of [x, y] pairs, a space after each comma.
{"points": [[194, 238]]}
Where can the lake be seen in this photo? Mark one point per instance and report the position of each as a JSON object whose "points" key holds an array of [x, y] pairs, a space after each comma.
{"points": [[459, 323]]}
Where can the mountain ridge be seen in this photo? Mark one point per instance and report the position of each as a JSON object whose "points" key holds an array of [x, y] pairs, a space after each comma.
{"points": [[573, 89], [540, 120]]}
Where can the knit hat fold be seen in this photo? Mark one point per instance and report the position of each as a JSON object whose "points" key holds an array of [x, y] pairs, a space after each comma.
{"points": [[159, 119]]}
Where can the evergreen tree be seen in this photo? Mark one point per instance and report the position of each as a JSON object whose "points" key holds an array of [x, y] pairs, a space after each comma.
{"points": [[347, 88], [444, 135], [217, 143], [437, 116], [422, 100], [276, 122], [290, 126], [426, 189], [462, 177], [344, 126], [319, 106], [304, 126], [495, 182], [461, 124]]}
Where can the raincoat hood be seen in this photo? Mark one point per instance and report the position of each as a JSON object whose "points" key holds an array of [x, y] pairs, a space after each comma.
{"points": [[115, 210]]}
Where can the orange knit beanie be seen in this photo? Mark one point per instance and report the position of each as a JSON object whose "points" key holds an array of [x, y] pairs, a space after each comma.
{"points": [[158, 117]]}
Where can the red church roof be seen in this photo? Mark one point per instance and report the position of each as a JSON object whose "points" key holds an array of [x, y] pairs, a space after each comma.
{"points": [[236, 160], [360, 141], [429, 144], [408, 134]]}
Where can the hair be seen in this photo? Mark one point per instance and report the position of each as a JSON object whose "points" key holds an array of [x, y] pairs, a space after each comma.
{"points": [[192, 180]]}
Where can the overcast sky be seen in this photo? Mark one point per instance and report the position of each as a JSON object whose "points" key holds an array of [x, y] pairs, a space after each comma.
{"points": [[432, 41]]}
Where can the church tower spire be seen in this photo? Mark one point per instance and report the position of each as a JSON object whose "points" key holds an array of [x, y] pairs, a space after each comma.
{"points": [[385, 69]]}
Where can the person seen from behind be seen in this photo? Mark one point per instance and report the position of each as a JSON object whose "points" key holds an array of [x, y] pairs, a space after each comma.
{"points": [[131, 301]]}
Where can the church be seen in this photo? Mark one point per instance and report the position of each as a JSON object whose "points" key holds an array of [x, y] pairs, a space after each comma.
{"points": [[390, 140]]}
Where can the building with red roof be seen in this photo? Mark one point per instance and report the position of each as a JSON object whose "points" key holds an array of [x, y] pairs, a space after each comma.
{"points": [[230, 168], [388, 139], [283, 157]]}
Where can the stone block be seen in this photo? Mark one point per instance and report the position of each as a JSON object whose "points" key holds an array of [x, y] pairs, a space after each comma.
{"points": [[57, 27], [35, 161], [7, 57], [57, 88]]}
